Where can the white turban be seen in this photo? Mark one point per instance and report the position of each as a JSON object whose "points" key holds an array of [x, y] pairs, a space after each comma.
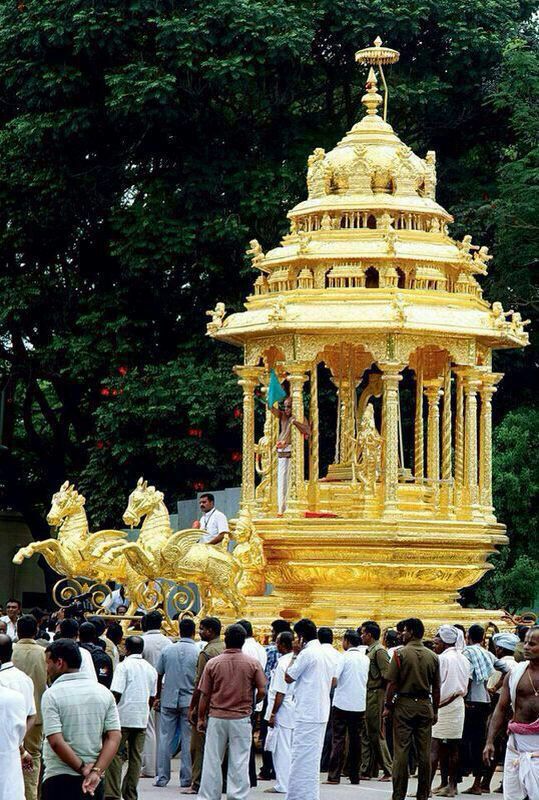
{"points": [[449, 634], [506, 640]]}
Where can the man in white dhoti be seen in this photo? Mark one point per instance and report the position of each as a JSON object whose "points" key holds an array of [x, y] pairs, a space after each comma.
{"points": [[521, 691], [455, 673], [284, 448], [280, 714], [12, 732], [312, 677]]}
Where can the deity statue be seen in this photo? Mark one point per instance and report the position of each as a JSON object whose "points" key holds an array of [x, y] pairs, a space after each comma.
{"points": [[398, 305], [217, 316], [304, 242], [263, 470], [499, 316], [465, 247], [367, 455], [249, 553], [256, 253], [481, 259], [317, 174]]}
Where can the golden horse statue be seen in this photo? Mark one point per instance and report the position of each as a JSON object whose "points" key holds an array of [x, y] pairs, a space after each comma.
{"points": [[74, 552], [179, 557]]}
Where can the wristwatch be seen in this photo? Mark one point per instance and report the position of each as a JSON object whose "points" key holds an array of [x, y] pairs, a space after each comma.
{"points": [[98, 770]]}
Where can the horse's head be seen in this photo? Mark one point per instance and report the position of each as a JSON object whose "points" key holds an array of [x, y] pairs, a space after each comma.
{"points": [[142, 501], [65, 503]]}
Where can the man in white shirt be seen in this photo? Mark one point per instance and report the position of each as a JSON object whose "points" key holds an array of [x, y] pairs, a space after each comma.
{"points": [[13, 612], [349, 702], [325, 637], [455, 674], [12, 731], [134, 685], [312, 679], [213, 523], [254, 649], [154, 642], [116, 599], [13, 678], [69, 629], [280, 714]]}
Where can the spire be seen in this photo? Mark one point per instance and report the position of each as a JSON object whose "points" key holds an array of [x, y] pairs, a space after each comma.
{"points": [[371, 100], [377, 56]]}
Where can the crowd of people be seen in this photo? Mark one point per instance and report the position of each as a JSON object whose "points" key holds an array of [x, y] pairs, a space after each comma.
{"points": [[87, 711]]}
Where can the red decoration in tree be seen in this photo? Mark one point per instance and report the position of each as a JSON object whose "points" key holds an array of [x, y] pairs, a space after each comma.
{"points": [[122, 370], [238, 414], [105, 391], [197, 432], [114, 392], [235, 456], [100, 444]]}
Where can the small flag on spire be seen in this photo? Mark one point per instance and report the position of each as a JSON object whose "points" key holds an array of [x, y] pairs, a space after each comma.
{"points": [[276, 393]]}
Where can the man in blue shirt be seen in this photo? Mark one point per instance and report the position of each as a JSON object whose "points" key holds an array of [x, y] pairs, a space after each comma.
{"points": [[177, 665]]}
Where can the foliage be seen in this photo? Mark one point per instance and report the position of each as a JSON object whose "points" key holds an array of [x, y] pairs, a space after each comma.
{"points": [[144, 142], [515, 581]]}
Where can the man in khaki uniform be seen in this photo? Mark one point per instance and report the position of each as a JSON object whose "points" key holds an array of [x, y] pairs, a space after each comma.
{"points": [[210, 632], [29, 657], [413, 697], [374, 747]]}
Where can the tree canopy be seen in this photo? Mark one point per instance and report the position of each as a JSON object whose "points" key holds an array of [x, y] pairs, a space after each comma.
{"points": [[143, 143]]}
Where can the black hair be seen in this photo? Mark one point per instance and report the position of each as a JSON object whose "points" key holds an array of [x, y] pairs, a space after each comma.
{"points": [[521, 631], [391, 637], [415, 626], [152, 621], [13, 600], [69, 628], [66, 649], [99, 624], [476, 633], [286, 638], [325, 635], [115, 633], [6, 648], [135, 644], [353, 637], [280, 625], [212, 624], [306, 629], [26, 626], [187, 627], [246, 625], [235, 636], [38, 613], [400, 626], [209, 496], [373, 628], [87, 632]]}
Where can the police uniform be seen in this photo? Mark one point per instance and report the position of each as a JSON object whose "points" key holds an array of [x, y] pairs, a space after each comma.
{"points": [[413, 669], [373, 747]]}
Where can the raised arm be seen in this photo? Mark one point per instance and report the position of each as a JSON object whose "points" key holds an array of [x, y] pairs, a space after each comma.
{"points": [[497, 722]]}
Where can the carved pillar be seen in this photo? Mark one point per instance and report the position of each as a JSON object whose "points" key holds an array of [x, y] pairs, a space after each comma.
{"points": [[471, 385], [486, 392], [314, 443], [346, 425], [446, 425], [390, 426], [433, 392], [296, 484], [248, 380], [419, 447], [459, 427]]}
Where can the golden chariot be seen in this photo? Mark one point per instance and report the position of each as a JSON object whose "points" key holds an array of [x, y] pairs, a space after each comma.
{"points": [[369, 293]]}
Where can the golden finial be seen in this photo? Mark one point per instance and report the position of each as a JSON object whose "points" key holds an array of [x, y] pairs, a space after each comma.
{"points": [[371, 100], [377, 56]]}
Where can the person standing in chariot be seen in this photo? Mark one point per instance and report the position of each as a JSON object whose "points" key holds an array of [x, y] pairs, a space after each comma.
{"points": [[276, 393]]}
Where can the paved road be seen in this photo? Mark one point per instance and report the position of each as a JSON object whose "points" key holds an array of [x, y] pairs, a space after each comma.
{"points": [[370, 790]]}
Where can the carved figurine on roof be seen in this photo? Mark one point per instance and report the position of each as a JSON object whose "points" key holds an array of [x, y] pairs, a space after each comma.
{"points": [[368, 298]]}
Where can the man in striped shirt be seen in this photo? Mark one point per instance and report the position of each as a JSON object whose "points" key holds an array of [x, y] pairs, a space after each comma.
{"points": [[81, 727]]}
